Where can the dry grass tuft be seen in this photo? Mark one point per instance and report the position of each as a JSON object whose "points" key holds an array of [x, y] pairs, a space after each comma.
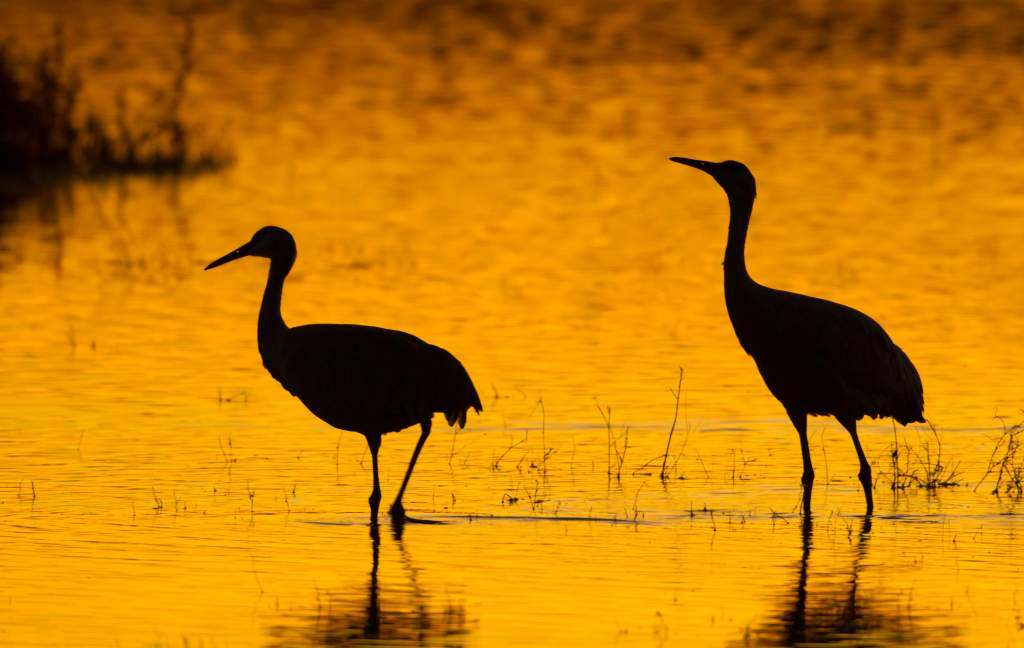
{"points": [[921, 467], [1006, 462]]}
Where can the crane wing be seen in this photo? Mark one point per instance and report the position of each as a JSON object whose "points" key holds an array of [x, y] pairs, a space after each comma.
{"points": [[370, 379], [833, 359], [359, 378]]}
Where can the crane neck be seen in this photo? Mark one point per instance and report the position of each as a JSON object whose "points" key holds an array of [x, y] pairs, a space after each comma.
{"points": [[735, 262], [271, 324]]}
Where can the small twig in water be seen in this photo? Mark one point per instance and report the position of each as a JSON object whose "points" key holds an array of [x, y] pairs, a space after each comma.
{"points": [[496, 464], [824, 454], [675, 417], [337, 460], [451, 452], [543, 438], [256, 574]]}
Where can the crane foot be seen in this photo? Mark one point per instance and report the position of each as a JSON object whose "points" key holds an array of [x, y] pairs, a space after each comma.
{"points": [[865, 482], [397, 510]]}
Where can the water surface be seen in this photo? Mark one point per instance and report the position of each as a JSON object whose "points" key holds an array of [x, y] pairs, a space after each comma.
{"points": [[493, 178]]}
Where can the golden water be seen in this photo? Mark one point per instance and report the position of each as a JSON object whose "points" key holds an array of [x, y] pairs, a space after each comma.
{"points": [[494, 180]]}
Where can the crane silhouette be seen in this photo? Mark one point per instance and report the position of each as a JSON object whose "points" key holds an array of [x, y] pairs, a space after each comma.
{"points": [[360, 378], [815, 356]]}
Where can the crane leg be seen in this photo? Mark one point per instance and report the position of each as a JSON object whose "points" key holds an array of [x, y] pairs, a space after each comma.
{"points": [[865, 468], [373, 440], [799, 420], [397, 510]]}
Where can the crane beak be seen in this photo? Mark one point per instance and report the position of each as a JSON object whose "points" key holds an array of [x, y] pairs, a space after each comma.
{"points": [[706, 167], [231, 256]]}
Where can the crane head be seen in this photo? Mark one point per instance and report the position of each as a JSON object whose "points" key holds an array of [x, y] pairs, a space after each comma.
{"points": [[733, 176], [269, 242]]}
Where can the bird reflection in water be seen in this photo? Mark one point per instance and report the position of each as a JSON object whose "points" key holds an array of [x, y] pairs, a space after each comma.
{"points": [[409, 617], [840, 613]]}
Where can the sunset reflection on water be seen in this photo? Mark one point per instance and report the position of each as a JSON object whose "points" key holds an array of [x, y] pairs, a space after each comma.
{"points": [[493, 178]]}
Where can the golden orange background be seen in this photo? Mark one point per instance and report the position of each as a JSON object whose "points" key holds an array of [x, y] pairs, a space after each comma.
{"points": [[492, 177]]}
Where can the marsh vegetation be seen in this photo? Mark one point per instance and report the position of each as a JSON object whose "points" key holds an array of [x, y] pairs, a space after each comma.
{"points": [[48, 134], [1005, 471]]}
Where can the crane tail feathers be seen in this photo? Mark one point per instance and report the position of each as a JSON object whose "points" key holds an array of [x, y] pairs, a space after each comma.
{"points": [[456, 391], [906, 420], [456, 417]]}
